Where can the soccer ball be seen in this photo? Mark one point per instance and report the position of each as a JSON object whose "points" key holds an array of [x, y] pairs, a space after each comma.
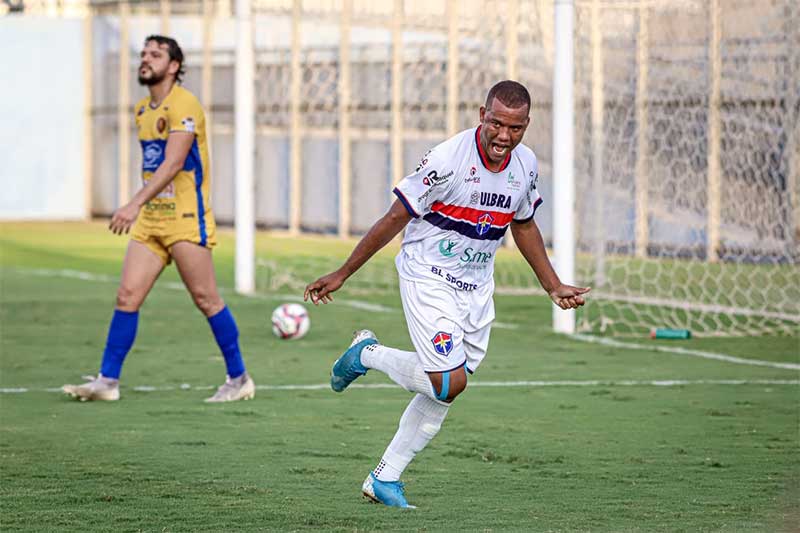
{"points": [[290, 321]]}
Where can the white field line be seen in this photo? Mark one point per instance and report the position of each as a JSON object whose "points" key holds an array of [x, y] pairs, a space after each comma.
{"points": [[492, 384], [86, 276], [172, 285], [683, 351]]}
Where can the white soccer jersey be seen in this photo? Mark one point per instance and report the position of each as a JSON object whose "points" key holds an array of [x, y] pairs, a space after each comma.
{"points": [[461, 210]]}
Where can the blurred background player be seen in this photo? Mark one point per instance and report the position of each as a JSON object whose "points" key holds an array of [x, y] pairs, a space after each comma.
{"points": [[171, 219], [457, 205]]}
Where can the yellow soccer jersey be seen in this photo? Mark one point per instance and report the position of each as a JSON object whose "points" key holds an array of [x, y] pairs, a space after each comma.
{"points": [[183, 207]]}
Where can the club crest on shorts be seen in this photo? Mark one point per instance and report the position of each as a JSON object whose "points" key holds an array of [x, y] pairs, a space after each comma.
{"points": [[442, 343], [484, 223]]}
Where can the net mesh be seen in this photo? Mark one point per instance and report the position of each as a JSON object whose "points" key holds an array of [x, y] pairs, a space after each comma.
{"points": [[676, 116]]}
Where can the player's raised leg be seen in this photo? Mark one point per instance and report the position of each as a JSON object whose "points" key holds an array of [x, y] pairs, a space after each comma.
{"points": [[403, 367], [140, 270], [196, 268]]}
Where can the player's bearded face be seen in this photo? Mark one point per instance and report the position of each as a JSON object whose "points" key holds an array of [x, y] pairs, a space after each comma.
{"points": [[502, 129], [154, 66], [149, 76]]}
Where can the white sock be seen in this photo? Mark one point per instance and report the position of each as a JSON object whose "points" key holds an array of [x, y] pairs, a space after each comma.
{"points": [[420, 422], [402, 367]]}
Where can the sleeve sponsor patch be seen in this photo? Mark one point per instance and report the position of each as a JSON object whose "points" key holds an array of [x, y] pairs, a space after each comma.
{"points": [[188, 123]]}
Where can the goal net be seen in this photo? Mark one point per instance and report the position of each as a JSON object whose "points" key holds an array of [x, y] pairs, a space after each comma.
{"points": [[686, 165]]}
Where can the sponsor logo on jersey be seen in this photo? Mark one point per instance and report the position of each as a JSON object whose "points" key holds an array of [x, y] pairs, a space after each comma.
{"points": [[513, 183], [446, 247], [188, 123], [167, 208], [484, 223], [433, 178], [474, 197], [152, 156], [161, 124], [424, 196], [168, 191], [471, 255], [534, 181], [473, 177], [423, 162], [453, 280], [442, 343], [492, 199]]}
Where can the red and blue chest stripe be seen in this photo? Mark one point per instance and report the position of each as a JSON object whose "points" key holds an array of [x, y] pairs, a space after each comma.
{"points": [[479, 224]]}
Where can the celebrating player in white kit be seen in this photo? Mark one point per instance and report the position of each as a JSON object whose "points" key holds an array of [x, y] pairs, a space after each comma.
{"points": [[457, 205]]}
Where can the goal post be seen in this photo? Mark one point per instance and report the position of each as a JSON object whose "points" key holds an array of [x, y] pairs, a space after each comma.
{"points": [[244, 139], [563, 157]]}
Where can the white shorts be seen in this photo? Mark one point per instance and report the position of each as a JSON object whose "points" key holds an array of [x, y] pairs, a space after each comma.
{"points": [[448, 327]]}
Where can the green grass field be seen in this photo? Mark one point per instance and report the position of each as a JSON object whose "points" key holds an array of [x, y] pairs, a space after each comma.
{"points": [[595, 455]]}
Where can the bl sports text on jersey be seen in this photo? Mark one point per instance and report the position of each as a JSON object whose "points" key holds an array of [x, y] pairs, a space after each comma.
{"points": [[464, 286]]}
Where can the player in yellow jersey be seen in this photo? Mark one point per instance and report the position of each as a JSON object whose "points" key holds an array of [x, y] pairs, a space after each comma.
{"points": [[171, 219]]}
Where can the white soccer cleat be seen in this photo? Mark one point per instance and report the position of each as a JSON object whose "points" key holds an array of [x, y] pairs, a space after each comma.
{"points": [[362, 334], [241, 388], [98, 388]]}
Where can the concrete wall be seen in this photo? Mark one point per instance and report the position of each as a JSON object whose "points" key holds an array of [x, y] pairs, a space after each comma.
{"points": [[41, 119]]}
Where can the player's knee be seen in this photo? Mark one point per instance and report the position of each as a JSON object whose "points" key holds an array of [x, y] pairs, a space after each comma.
{"points": [[208, 302], [128, 299], [448, 385], [458, 383]]}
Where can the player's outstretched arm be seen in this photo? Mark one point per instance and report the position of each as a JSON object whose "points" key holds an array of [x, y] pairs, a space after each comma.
{"points": [[383, 231], [178, 145], [529, 241]]}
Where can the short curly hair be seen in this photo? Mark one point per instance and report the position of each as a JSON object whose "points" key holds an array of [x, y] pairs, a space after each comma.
{"points": [[174, 51], [511, 93]]}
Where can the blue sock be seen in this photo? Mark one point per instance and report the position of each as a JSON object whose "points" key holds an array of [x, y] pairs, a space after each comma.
{"points": [[224, 327], [121, 334]]}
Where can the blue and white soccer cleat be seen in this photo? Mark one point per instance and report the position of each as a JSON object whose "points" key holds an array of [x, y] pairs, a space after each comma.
{"points": [[386, 492], [348, 367]]}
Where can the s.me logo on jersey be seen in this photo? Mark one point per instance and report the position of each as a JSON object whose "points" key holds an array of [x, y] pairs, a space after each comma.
{"points": [[446, 247], [442, 343], [484, 223]]}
